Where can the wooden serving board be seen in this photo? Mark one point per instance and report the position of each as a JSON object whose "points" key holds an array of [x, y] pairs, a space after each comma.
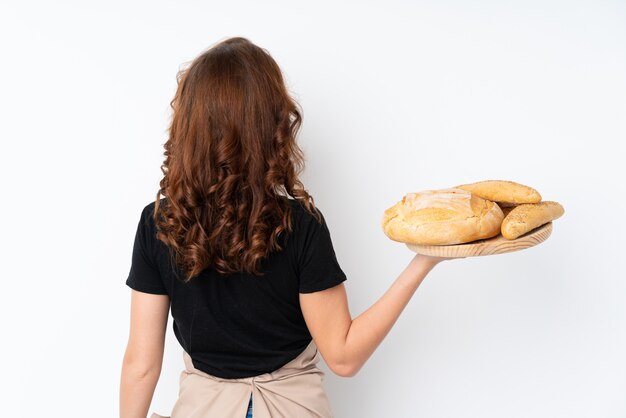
{"points": [[489, 246]]}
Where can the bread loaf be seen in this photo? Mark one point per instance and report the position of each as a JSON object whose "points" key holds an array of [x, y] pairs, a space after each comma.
{"points": [[507, 192], [526, 217], [444, 216]]}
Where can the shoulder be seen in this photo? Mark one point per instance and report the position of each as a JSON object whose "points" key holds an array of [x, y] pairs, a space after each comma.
{"points": [[147, 218], [303, 216], [148, 209]]}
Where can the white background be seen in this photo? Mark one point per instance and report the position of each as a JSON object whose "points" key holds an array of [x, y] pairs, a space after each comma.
{"points": [[397, 97]]}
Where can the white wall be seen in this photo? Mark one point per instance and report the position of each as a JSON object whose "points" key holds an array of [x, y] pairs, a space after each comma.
{"points": [[397, 97]]}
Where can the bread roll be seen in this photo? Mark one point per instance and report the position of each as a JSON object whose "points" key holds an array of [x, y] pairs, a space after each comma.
{"points": [[528, 216], [507, 192], [445, 216]]}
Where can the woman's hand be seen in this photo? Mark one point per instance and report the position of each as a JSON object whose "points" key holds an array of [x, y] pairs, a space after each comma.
{"points": [[430, 261]]}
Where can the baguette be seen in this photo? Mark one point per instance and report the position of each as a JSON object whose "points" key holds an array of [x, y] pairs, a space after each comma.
{"points": [[503, 191], [526, 217]]}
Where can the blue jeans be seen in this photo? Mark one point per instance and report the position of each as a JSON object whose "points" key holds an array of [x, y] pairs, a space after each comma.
{"points": [[249, 414]]}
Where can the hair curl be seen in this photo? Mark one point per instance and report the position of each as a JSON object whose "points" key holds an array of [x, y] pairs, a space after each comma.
{"points": [[230, 160]]}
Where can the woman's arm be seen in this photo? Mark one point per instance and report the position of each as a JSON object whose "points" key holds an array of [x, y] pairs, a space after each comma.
{"points": [[346, 344], [143, 358]]}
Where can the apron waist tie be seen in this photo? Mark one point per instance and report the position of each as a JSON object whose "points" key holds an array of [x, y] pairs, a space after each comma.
{"points": [[293, 390]]}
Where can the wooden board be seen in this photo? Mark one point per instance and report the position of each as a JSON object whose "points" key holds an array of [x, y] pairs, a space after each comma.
{"points": [[490, 246]]}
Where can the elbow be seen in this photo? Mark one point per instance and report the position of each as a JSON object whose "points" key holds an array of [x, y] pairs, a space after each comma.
{"points": [[345, 370], [141, 371], [142, 365]]}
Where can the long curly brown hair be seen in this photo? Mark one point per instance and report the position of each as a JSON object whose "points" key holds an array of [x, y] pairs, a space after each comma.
{"points": [[230, 161]]}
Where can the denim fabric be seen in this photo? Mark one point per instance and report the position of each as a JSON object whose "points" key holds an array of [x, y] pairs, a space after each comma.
{"points": [[249, 414]]}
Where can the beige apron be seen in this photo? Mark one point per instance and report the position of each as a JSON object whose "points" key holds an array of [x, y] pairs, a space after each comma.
{"points": [[294, 390]]}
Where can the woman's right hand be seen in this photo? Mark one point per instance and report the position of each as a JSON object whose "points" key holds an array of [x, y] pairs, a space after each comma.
{"points": [[429, 260]]}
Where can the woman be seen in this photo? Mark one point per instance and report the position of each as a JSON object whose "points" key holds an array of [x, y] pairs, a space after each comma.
{"points": [[240, 254]]}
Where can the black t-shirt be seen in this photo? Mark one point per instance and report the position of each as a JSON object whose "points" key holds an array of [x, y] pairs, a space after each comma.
{"points": [[240, 325]]}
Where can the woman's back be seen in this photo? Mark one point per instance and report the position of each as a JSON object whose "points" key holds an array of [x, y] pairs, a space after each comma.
{"points": [[239, 325]]}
